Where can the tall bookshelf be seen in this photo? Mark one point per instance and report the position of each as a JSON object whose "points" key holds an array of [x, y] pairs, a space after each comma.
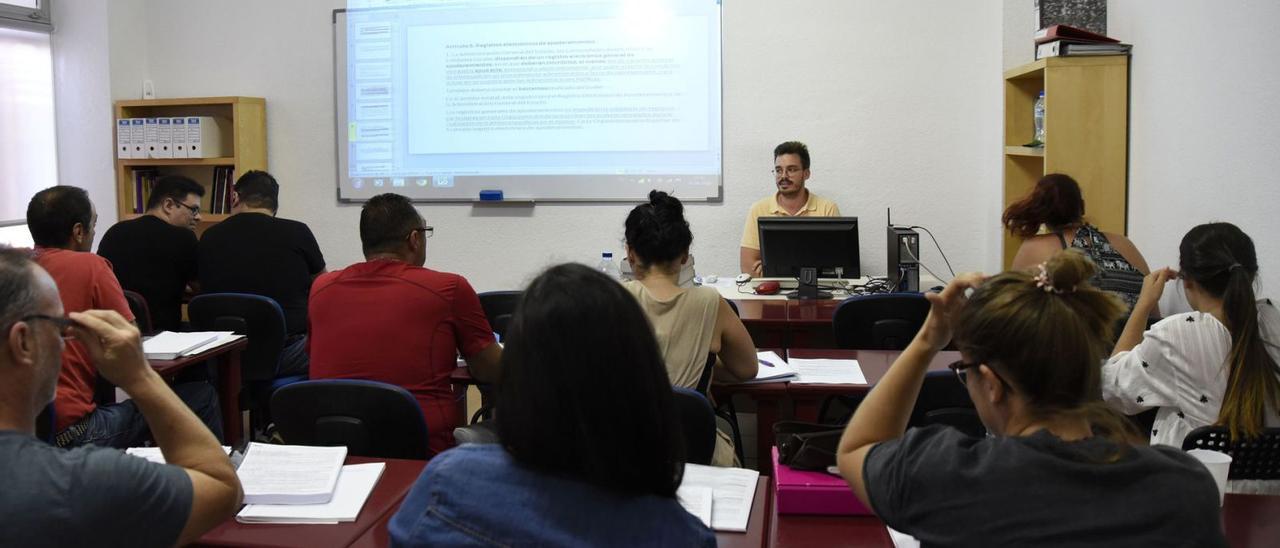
{"points": [[247, 117], [1086, 134]]}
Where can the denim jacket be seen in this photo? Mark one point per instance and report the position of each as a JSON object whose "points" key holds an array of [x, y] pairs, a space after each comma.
{"points": [[477, 495]]}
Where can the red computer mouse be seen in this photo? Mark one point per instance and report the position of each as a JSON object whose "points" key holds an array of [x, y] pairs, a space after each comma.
{"points": [[767, 288]]}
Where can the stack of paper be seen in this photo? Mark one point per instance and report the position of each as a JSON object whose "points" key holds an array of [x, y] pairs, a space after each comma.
{"points": [[168, 345], [290, 474], [772, 368], [224, 337], [153, 454], [355, 483], [728, 506], [827, 372]]}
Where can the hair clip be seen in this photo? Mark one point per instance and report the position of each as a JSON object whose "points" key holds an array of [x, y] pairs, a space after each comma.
{"points": [[1042, 281]]}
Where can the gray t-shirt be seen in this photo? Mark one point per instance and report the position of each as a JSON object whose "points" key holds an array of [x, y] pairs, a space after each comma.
{"points": [[949, 489], [87, 496]]}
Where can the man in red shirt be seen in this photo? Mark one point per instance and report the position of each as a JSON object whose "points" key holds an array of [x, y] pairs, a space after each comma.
{"points": [[61, 220], [389, 319]]}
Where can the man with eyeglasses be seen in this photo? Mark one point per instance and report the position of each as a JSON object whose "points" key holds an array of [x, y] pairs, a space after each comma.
{"points": [[792, 199], [389, 319], [61, 220], [256, 252], [90, 495], [155, 254]]}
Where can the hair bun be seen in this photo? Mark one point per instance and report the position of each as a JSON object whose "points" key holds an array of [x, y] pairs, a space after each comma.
{"points": [[1069, 269], [665, 204]]}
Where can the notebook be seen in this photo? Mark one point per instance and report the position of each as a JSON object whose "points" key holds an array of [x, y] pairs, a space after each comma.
{"points": [[290, 474], [355, 484], [168, 345], [732, 491]]}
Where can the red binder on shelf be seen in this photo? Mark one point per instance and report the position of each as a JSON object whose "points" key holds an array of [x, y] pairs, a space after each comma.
{"points": [[1069, 33]]}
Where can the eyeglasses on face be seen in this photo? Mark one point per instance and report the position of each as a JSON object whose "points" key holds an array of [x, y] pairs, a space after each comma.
{"points": [[959, 367], [789, 170], [427, 231], [195, 209], [63, 324]]}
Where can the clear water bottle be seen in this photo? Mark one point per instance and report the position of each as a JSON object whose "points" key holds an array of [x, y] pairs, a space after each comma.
{"points": [[607, 265], [1038, 115]]}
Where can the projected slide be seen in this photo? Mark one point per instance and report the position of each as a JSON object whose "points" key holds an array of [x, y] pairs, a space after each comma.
{"points": [[539, 99]]}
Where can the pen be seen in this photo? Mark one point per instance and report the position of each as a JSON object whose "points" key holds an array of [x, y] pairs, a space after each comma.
{"points": [[764, 363]]}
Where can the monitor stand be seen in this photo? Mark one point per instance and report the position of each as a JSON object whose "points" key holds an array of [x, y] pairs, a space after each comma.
{"points": [[807, 286]]}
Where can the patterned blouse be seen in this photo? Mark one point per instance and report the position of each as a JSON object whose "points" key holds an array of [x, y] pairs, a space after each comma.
{"points": [[1115, 273]]}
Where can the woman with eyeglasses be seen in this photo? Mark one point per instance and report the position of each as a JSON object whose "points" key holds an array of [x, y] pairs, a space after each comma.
{"points": [[1059, 468], [1213, 365]]}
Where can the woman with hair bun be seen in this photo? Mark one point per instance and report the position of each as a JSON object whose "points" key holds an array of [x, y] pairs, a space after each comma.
{"points": [[1057, 204], [1214, 365], [1060, 467], [690, 323]]}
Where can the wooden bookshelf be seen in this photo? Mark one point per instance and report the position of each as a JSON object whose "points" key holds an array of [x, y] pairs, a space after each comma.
{"points": [[1086, 134], [247, 117]]}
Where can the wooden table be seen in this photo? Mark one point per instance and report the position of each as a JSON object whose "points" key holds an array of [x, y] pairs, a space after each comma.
{"points": [[806, 398], [227, 358], [788, 323], [383, 502]]}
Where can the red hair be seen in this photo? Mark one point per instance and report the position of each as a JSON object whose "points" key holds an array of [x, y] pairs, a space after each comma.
{"points": [[1055, 201]]}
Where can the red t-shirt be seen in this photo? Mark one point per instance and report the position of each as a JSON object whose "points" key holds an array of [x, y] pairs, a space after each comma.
{"points": [[85, 282], [388, 321]]}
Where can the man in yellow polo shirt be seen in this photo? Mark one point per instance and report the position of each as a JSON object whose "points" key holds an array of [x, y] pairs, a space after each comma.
{"points": [[790, 171]]}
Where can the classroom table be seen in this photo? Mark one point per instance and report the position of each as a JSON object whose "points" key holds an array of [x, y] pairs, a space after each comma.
{"points": [[806, 398], [227, 360], [383, 502]]}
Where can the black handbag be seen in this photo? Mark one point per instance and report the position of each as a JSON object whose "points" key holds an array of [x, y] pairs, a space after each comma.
{"points": [[807, 445]]}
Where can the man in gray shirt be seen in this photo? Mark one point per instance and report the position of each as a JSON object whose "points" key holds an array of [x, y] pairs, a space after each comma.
{"points": [[92, 495]]}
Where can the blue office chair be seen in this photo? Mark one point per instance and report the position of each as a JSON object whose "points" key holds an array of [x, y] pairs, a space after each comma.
{"points": [[885, 321], [261, 320], [498, 307], [699, 423], [372, 419]]}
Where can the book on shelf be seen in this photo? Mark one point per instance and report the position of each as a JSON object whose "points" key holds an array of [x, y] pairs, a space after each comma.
{"points": [[1066, 32], [144, 179], [220, 192], [1068, 48]]}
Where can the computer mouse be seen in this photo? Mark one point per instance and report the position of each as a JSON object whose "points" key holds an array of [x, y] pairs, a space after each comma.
{"points": [[710, 279], [743, 278], [768, 288]]}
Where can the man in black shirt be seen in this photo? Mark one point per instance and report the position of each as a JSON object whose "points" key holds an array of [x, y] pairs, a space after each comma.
{"points": [[155, 254], [255, 252]]}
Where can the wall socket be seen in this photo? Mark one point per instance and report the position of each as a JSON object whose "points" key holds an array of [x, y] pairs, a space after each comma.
{"points": [[148, 89]]}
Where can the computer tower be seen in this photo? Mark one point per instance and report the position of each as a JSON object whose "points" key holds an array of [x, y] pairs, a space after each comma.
{"points": [[904, 258]]}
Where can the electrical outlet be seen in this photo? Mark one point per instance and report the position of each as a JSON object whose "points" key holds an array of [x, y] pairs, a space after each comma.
{"points": [[148, 89]]}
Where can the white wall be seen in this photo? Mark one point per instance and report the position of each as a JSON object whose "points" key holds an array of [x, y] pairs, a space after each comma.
{"points": [[891, 120], [1204, 124]]}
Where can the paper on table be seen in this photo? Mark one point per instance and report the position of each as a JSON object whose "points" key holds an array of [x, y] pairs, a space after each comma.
{"points": [[167, 345], [733, 489], [697, 501], [828, 372], [224, 337], [153, 454], [902, 540], [354, 486], [772, 368], [290, 474]]}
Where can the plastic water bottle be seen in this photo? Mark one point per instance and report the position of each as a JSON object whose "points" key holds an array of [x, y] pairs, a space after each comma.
{"points": [[607, 265], [1038, 115]]}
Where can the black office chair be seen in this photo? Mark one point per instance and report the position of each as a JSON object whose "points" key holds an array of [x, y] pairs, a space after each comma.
{"points": [[498, 307], [943, 400], [1251, 459], [699, 423], [261, 320], [372, 419], [885, 321], [141, 312]]}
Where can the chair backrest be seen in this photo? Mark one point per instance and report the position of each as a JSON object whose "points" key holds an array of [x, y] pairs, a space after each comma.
{"points": [[1251, 459], [372, 419], [886, 321], [734, 306], [699, 423], [141, 311], [943, 400], [498, 307], [259, 318]]}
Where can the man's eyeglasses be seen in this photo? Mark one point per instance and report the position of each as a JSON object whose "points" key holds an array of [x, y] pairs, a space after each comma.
{"points": [[790, 170], [427, 231], [195, 209], [63, 324], [959, 366]]}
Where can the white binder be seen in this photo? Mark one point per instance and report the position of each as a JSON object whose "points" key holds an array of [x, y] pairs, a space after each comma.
{"points": [[178, 141], [139, 141], [205, 136], [152, 133], [124, 139], [164, 138]]}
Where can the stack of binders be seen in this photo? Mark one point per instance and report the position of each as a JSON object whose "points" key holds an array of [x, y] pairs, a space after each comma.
{"points": [[1064, 41]]}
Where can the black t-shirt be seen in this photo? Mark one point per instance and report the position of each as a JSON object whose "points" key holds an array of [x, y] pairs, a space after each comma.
{"points": [[155, 259], [949, 489], [263, 255]]}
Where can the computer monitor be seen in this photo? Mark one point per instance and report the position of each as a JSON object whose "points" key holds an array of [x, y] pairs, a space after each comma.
{"points": [[791, 246]]}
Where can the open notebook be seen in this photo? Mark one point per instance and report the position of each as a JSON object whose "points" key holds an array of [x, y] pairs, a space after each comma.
{"points": [[720, 497]]}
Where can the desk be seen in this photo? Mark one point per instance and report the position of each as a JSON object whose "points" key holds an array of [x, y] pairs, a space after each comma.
{"points": [[227, 358], [391, 489], [806, 398]]}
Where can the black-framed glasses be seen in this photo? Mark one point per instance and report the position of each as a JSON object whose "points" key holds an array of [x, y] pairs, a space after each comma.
{"points": [[427, 231], [195, 209], [959, 366], [63, 324]]}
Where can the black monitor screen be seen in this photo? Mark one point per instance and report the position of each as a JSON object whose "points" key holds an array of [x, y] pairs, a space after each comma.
{"points": [[788, 244]]}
